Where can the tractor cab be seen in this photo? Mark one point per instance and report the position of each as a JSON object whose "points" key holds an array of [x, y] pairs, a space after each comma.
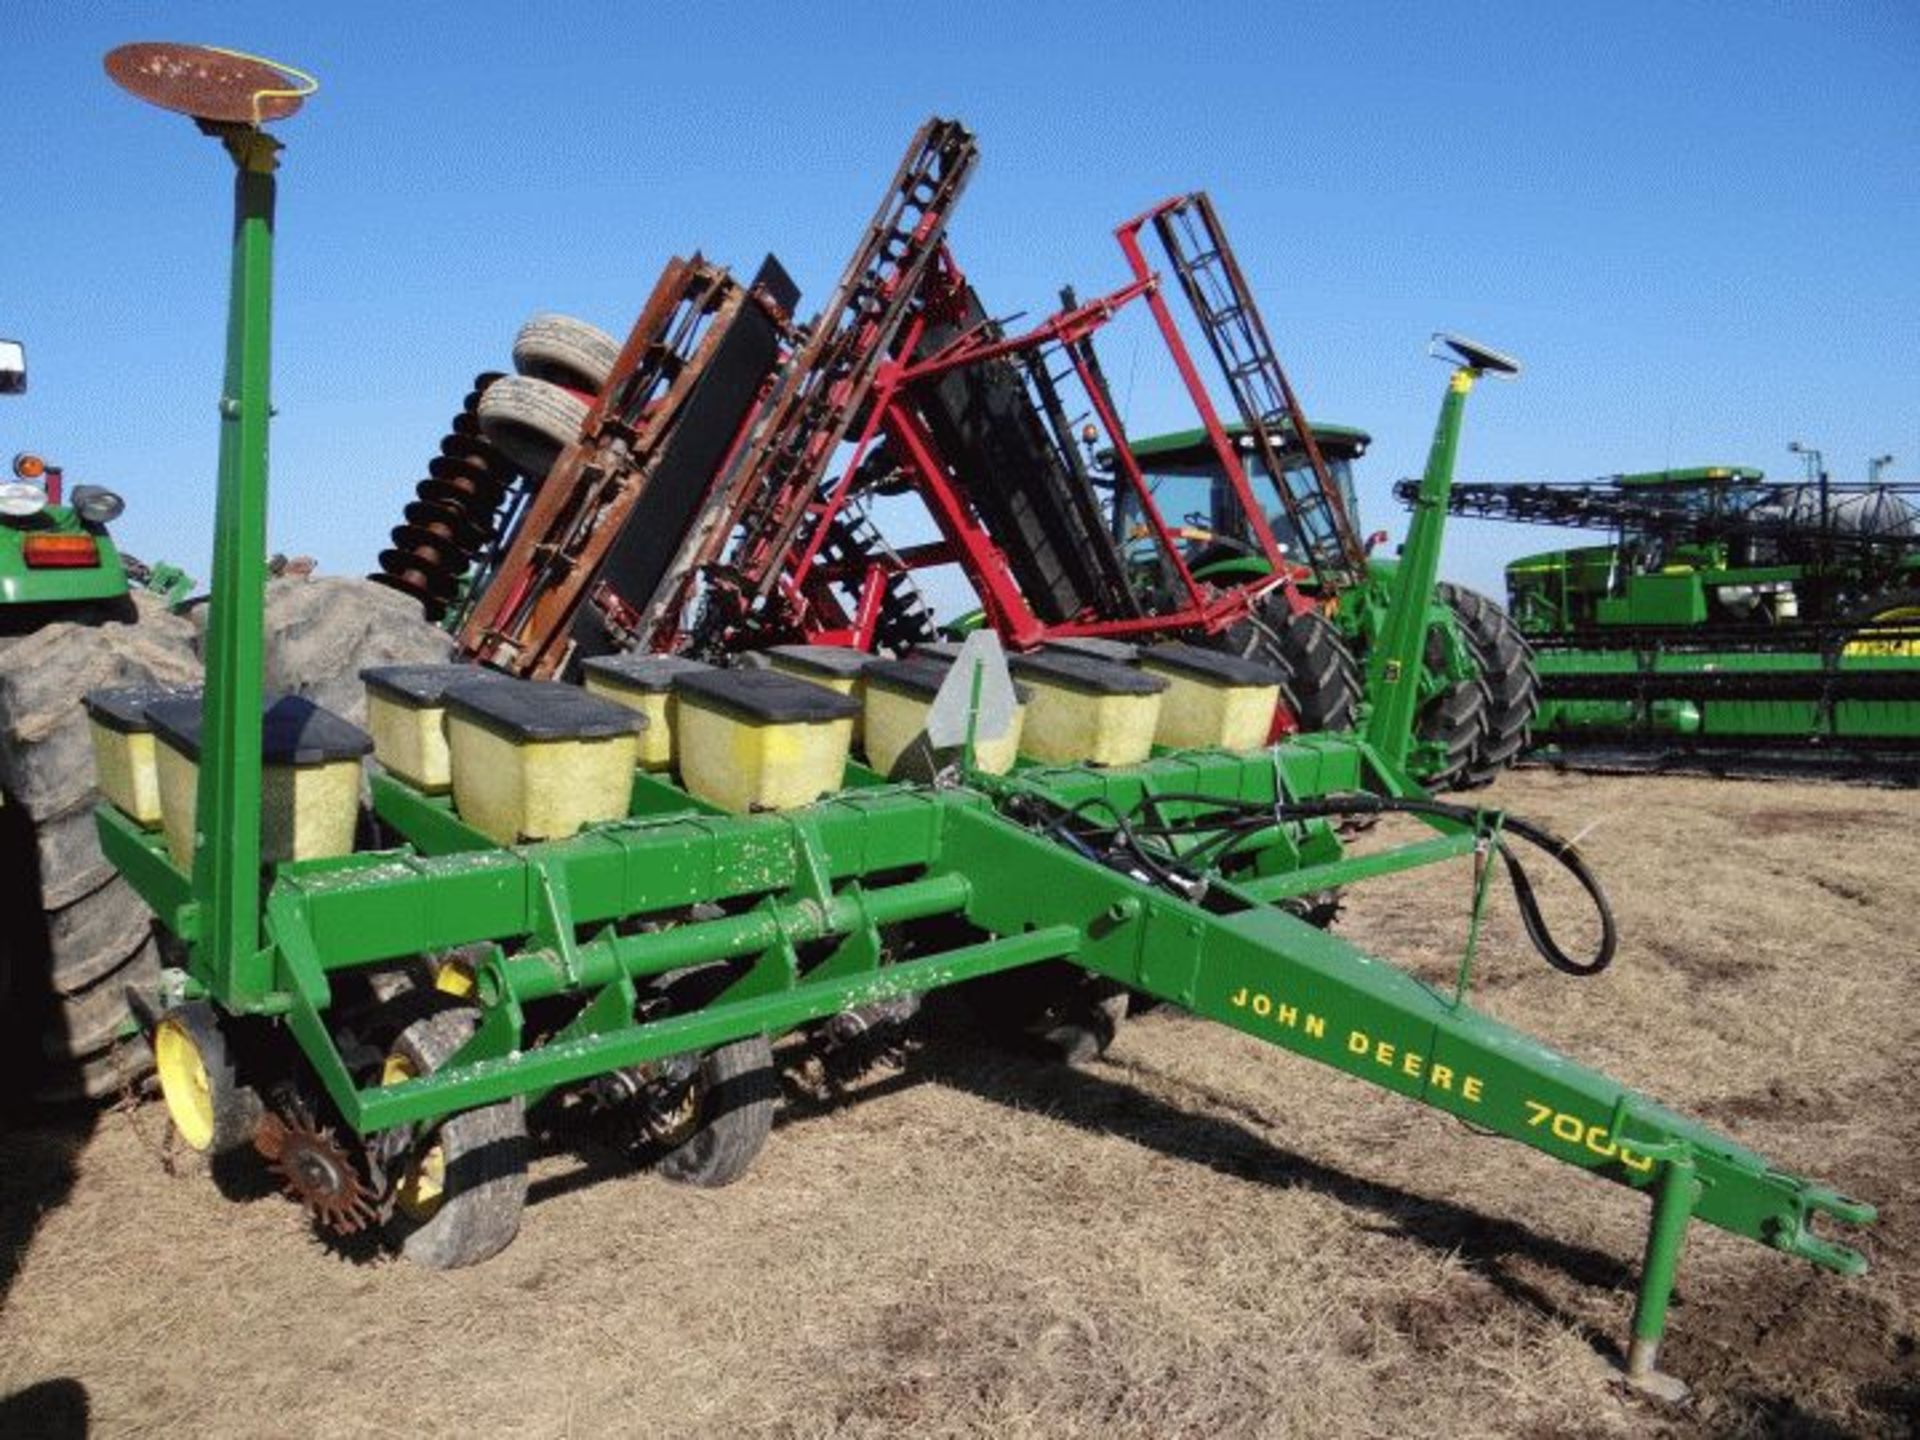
{"points": [[1191, 491]]}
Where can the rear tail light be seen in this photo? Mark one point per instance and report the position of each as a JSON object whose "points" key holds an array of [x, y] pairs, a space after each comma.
{"points": [[60, 552]]}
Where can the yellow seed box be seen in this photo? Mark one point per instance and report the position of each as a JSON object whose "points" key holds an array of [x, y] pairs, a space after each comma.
{"points": [[537, 760], [897, 696], [1213, 698], [1087, 711], [125, 763], [309, 778], [644, 683], [407, 713], [761, 739]]}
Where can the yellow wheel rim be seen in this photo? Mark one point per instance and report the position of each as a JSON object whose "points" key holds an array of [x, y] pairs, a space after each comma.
{"points": [[183, 1083], [422, 1188], [1908, 615]]}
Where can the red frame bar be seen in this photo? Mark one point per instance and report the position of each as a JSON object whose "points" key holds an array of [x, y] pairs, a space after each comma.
{"points": [[965, 540]]}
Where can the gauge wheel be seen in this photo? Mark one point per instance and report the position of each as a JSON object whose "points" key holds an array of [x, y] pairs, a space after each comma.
{"points": [[462, 1185], [718, 1122]]}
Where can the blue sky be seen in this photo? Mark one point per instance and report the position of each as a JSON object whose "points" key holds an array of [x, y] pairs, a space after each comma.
{"points": [[1695, 224]]}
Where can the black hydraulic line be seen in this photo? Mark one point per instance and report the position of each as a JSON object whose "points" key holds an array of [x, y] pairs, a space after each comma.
{"points": [[1250, 817]]}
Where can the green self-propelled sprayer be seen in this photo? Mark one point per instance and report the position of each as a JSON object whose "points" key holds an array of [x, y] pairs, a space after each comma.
{"points": [[380, 1022]]}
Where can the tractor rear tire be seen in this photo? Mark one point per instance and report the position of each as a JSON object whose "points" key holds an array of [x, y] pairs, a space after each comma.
{"points": [[1454, 720], [474, 1211], [1323, 685], [323, 630], [77, 935], [565, 351], [1508, 673], [531, 421], [735, 1094]]}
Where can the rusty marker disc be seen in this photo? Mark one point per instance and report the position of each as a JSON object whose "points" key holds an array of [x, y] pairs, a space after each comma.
{"points": [[205, 83]]}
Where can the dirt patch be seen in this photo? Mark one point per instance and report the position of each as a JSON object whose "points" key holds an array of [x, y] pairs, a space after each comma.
{"points": [[1822, 820], [1199, 1236]]}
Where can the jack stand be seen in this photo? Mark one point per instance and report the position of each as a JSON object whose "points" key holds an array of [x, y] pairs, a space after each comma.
{"points": [[1679, 1191]]}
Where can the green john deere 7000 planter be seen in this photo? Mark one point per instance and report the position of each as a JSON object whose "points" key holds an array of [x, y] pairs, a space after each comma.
{"points": [[648, 959]]}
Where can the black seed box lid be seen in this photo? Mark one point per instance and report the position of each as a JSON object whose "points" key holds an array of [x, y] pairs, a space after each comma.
{"points": [[423, 685], [125, 709], [1086, 674], [842, 662], [1215, 665], [765, 696], [527, 711], [294, 731], [923, 674], [651, 674]]}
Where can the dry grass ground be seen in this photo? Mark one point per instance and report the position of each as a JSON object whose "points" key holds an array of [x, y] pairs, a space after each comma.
{"points": [[1197, 1236]]}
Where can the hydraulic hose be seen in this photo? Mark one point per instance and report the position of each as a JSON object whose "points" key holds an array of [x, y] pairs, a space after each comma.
{"points": [[1234, 821]]}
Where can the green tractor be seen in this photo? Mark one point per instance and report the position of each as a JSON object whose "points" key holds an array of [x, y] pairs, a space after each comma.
{"points": [[1728, 612], [55, 552], [1478, 692], [76, 934]]}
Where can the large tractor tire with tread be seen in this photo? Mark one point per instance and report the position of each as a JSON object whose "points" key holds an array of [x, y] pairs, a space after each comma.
{"points": [[323, 630], [564, 351], [1323, 685], [77, 935], [531, 421], [1509, 676], [1452, 721]]}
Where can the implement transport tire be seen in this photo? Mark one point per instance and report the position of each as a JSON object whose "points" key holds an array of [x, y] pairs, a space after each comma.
{"points": [[531, 421], [565, 351], [1509, 676], [734, 1094], [460, 1198]]}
